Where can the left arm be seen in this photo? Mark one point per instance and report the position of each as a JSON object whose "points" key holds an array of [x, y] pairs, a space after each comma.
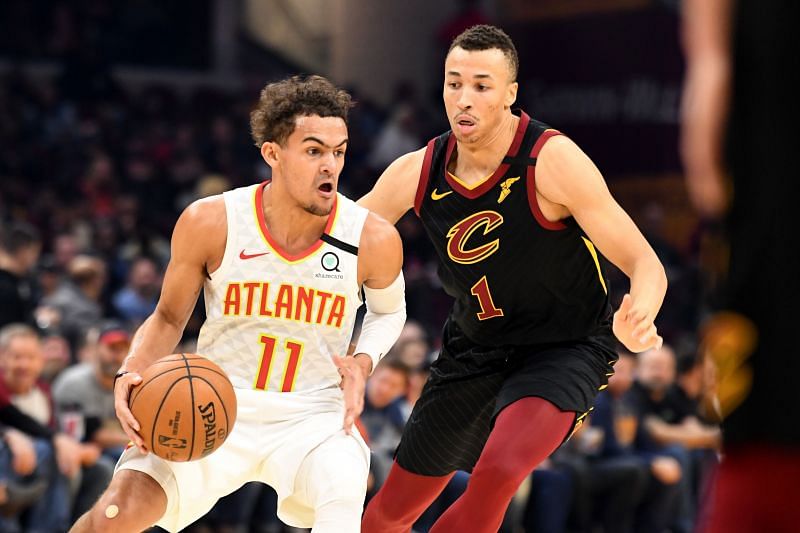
{"points": [[380, 261], [567, 177]]}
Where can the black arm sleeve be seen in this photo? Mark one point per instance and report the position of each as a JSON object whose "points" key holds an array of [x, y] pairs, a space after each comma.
{"points": [[11, 416]]}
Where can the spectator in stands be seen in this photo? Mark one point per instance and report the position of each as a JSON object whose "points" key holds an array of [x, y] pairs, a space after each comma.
{"points": [[48, 276], [65, 248], [412, 352], [57, 356], [85, 391], [78, 298], [384, 413], [20, 245], [21, 363], [398, 136], [647, 488], [666, 427], [137, 300], [23, 478]]}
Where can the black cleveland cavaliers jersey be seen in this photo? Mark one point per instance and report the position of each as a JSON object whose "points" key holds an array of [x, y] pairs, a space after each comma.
{"points": [[517, 278]]}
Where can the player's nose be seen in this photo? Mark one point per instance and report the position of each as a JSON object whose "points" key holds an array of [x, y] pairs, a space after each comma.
{"points": [[327, 164]]}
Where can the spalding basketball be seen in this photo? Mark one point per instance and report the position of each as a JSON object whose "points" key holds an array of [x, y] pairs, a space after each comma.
{"points": [[185, 406]]}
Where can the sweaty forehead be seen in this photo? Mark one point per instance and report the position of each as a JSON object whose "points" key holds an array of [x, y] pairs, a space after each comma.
{"points": [[471, 63], [327, 129]]}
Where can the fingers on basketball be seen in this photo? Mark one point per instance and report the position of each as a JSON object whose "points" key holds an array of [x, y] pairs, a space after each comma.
{"points": [[186, 407]]}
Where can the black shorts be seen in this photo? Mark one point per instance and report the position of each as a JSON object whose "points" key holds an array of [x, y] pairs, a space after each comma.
{"points": [[470, 384]]}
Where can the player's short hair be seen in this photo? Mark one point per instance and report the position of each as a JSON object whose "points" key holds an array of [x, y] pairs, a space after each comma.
{"points": [[280, 103], [486, 37]]}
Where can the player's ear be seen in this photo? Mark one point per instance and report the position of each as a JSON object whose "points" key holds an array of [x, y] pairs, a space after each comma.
{"points": [[511, 95], [270, 151]]}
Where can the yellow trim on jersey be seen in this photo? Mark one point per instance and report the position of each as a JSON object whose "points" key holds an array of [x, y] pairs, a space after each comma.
{"points": [[592, 251], [474, 185], [277, 253]]}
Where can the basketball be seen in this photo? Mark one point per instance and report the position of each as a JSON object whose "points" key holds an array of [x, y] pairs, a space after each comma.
{"points": [[185, 406]]}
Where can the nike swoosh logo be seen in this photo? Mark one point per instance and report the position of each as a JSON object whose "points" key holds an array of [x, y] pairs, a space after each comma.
{"points": [[439, 196], [243, 255]]}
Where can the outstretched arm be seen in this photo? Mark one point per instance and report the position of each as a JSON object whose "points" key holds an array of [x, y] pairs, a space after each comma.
{"points": [[566, 176], [393, 193], [161, 332], [380, 261]]}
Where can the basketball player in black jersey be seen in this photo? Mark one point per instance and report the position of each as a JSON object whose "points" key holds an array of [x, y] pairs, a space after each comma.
{"points": [[519, 217]]}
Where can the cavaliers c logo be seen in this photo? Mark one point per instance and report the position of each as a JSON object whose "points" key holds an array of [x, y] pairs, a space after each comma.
{"points": [[461, 232]]}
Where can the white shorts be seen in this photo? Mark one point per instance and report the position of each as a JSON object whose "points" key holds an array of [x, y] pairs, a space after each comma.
{"points": [[293, 442]]}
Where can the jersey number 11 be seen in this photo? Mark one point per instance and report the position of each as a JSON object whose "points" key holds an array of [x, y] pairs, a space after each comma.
{"points": [[295, 351]]}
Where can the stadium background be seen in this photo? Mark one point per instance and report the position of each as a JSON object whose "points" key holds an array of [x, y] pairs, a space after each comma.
{"points": [[116, 115]]}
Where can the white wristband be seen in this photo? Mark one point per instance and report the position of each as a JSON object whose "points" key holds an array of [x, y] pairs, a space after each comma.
{"points": [[384, 320]]}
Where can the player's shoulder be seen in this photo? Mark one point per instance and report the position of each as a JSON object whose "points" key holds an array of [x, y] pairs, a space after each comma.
{"points": [[203, 226], [378, 235], [203, 213], [558, 148], [410, 163]]}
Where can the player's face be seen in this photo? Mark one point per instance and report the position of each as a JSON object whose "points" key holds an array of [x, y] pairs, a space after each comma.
{"points": [[477, 91], [311, 160]]}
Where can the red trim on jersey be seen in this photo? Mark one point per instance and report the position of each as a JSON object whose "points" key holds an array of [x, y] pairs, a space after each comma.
{"points": [[273, 244], [424, 176], [531, 178], [490, 182]]}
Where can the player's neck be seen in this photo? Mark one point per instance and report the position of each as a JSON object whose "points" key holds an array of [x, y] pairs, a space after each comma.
{"points": [[476, 160], [294, 228]]}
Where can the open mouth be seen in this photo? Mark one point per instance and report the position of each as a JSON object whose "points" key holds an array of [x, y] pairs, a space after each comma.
{"points": [[465, 122], [326, 187]]}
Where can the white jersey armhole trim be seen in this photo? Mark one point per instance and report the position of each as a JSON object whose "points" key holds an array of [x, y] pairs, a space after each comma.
{"points": [[227, 255]]}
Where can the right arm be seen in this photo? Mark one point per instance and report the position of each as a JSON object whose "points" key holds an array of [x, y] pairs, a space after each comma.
{"points": [[394, 192], [706, 95], [198, 244]]}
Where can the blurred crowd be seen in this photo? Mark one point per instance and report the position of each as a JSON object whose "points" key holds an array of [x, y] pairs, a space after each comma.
{"points": [[92, 178]]}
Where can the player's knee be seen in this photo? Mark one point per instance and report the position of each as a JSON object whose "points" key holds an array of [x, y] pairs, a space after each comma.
{"points": [[503, 476], [339, 477], [133, 502]]}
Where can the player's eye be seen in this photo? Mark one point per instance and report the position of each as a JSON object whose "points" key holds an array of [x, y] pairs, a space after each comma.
{"points": [[312, 151], [454, 85], [339, 153], [482, 87]]}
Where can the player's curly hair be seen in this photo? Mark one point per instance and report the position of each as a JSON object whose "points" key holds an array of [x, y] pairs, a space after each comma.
{"points": [[486, 37], [281, 102]]}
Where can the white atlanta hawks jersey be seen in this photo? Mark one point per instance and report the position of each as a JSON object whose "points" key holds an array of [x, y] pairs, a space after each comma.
{"points": [[274, 319]]}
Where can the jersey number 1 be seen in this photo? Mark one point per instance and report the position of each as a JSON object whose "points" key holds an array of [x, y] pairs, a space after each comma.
{"points": [[295, 351], [488, 310]]}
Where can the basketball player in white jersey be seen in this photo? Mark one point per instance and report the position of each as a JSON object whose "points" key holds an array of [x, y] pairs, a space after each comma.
{"points": [[282, 264]]}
